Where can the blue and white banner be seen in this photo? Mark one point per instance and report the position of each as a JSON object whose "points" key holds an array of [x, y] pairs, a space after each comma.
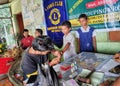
{"points": [[55, 14]]}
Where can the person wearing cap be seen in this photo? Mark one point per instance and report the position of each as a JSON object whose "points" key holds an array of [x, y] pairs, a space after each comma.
{"points": [[38, 54]]}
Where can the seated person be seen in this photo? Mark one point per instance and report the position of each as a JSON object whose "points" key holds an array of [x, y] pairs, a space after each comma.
{"points": [[68, 41], [26, 41], [38, 54]]}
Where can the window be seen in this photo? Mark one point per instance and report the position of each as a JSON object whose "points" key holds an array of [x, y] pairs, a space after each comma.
{"points": [[6, 29]]}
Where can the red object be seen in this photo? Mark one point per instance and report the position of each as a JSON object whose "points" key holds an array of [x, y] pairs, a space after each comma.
{"points": [[60, 76], [26, 42], [98, 3], [4, 65], [65, 67]]}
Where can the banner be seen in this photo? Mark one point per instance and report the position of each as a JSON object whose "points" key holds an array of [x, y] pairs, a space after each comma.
{"points": [[103, 14], [55, 14]]}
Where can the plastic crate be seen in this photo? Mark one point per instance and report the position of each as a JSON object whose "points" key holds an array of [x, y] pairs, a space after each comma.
{"points": [[4, 66]]}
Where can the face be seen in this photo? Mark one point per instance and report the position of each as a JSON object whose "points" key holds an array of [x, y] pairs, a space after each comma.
{"points": [[83, 22], [26, 34], [65, 29], [37, 33]]}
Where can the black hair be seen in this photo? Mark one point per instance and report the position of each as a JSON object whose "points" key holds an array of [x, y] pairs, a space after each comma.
{"points": [[42, 43], [25, 30], [83, 16], [39, 30], [66, 23]]}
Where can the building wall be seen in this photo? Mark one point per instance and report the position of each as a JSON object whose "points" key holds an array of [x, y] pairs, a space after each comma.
{"points": [[33, 15], [16, 9], [105, 45]]}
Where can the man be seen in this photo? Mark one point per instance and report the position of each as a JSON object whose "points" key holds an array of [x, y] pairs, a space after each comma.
{"points": [[26, 41], [38, 32]]}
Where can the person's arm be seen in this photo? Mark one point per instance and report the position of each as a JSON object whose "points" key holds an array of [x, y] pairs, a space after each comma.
{"points": [[65, 48], [94, 40], [94, 43], [32, 51], [57, 59], [56, 53], [117, 57], [20, 43], [42, 52], [116, 82], [78, 43]]}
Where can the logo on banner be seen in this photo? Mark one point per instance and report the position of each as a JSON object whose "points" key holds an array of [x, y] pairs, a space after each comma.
{"points": [[55, 16]]}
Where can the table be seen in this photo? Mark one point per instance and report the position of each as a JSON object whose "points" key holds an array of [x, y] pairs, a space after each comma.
{"points": [[102, 63]]}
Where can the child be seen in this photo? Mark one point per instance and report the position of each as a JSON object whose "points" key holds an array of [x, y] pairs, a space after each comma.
{"points": [[68, 41], [38, 32], [26, 41], [86, 36]]}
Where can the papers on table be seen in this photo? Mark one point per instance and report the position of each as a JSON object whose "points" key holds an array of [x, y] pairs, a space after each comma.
{"points": [[109, 65], [95, 78]]}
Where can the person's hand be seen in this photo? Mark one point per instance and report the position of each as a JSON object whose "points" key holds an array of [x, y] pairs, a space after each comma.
{"points": [[105, 83], [56, 53], [54, 61], [117, 57], [32, 51], [116, 82]]}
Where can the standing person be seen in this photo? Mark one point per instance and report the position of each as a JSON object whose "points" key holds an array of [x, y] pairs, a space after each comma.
{"points": [[38, 32], [86, 36], [26, 41], [68, 41]]}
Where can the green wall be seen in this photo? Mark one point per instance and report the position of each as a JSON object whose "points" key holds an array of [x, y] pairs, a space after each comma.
{"points": [[104, 45]]}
